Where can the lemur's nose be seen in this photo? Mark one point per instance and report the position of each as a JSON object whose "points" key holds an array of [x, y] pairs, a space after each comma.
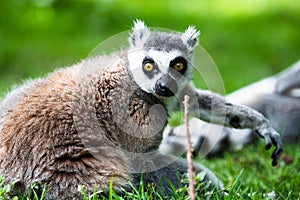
{"points": [[166, 86]]}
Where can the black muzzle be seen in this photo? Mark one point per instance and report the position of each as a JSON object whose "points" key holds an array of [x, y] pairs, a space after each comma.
{"points": [[166, 86]]}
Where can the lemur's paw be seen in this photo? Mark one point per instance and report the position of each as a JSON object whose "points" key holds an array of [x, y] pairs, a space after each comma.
{"points": [[271, 137]]}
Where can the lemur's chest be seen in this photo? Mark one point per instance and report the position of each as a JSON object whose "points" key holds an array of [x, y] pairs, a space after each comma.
{"points": [[128, 114]]}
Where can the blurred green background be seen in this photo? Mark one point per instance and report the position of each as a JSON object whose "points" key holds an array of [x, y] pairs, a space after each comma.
{"points": [[247, 39]]}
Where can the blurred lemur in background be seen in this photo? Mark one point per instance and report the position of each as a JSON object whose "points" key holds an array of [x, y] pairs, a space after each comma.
{"points": [[102, 119]]}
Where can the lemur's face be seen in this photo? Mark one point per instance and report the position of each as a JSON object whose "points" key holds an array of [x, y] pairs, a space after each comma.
{"points": [[158, 72], [159, 62]]}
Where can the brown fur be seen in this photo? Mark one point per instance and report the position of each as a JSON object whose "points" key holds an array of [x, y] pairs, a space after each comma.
{"points": [[78, 127]]}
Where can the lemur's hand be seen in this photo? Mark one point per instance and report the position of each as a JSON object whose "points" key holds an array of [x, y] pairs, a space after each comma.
{"points": [[214, 108], [271, 137]]}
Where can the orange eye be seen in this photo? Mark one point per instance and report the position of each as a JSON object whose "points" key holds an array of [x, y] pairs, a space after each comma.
{"points": [[178, 66], [148, 67]]}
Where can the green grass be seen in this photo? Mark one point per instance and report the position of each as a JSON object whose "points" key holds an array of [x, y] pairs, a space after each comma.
{"points": [[246, 174], [258, 175], [248, 40]]}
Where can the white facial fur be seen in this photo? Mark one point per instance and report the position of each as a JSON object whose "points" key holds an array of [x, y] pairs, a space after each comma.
{"points": [[161, 58]]}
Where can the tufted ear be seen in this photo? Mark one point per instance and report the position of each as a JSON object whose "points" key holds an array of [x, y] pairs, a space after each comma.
{"points": [[190, 36], [139, 35]]}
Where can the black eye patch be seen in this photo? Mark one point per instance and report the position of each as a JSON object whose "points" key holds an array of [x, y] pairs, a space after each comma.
{"points": [[179, 64], [148, 60], [149, 67]]}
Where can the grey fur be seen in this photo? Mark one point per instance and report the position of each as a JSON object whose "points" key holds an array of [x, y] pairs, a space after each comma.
{"points": [[288, 80], [173, 41]]}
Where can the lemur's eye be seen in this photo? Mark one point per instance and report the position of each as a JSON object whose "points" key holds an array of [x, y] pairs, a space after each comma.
{"points": [[148, 67], [178, 66]]}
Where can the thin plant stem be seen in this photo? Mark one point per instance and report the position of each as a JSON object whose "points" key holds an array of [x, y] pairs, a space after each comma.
{"points": [[191, 170]]}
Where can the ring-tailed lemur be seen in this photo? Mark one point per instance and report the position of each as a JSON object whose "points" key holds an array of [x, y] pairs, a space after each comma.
{"points": [[276, 97], [102, 120]]}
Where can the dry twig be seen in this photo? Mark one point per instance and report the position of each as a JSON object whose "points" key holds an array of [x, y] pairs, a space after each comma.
{"points": [[191, 170]]}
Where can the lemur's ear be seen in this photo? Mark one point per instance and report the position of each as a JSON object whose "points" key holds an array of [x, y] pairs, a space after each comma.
{"points": [[139, 35], [190, 36]]}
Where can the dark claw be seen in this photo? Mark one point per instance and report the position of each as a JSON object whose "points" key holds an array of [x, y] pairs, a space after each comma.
{"points": [[268, 142], [278, 150], [276, 141]]}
